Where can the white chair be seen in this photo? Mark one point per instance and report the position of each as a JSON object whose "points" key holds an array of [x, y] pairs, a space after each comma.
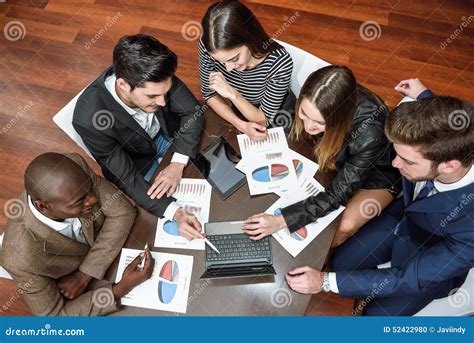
{"points": [[304, 64], [459, 303], [3, 273], [63, 119]]}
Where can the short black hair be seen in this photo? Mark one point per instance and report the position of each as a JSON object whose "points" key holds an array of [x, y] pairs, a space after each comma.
{"points": [[142, 58]]}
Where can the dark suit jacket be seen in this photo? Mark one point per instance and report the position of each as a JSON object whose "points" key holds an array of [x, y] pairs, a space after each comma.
{"points": [[434, 244], [123, 149], [37, 256]]}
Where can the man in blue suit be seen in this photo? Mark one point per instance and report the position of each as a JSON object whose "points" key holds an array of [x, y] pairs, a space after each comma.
{"points": [[428, 234]]}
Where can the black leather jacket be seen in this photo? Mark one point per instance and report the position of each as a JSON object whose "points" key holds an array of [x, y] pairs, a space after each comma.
{"points": [[364, 162]]}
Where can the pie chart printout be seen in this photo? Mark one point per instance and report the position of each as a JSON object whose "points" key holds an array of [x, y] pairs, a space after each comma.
{"points": [[299, 234], [168, 281], [273, 172], [298, 167], [171, 227]]}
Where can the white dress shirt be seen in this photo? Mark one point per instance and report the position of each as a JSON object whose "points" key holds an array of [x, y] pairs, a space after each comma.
{"points": [[146, 120], [70, 227], [151, 125], [438, 188]]}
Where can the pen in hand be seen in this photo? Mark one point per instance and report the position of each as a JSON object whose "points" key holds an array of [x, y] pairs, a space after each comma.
{"points": [[142, 263]]}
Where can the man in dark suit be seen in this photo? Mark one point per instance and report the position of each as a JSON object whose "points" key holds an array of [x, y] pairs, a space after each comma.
{"points": [[72, 226], [428, 234], [129, 117]]}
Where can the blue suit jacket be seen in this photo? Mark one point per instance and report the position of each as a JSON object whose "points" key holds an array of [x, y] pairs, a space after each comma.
{"points": [[433, 244]]}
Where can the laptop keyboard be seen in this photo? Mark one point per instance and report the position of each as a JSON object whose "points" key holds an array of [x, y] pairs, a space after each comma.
{"points": [[237, 247]]}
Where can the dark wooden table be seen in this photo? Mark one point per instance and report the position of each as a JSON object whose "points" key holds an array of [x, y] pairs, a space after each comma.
{"points": [[250, 296]]}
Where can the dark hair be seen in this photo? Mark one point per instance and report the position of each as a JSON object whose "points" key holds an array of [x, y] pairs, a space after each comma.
{"points": [[333, 91], [440, 125], [230, 24], [141, 58]]}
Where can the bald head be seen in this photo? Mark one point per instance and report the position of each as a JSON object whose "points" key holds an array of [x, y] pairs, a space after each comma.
{"points": [[53, 176]]}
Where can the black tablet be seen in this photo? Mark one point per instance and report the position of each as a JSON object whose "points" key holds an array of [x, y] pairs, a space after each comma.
{"points": [[217, 164]]}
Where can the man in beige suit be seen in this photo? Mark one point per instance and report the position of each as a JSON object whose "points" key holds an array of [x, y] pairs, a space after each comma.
{"points": [[73, 226]]}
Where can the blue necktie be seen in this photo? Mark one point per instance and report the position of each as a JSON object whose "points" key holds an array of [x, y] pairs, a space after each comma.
{"points": [[429, 186]]}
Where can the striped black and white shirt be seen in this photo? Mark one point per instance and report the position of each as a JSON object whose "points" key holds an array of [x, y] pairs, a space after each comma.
{"points": [[264, 86]]}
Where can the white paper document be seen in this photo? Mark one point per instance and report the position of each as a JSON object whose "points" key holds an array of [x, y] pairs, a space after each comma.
{"points": [[304, 168], [275, 141], [268, 163], [295, 242], [194, 195], [168, 287]]}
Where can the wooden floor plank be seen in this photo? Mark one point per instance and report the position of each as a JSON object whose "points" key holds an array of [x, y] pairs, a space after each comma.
{"points": [[68, 43]]}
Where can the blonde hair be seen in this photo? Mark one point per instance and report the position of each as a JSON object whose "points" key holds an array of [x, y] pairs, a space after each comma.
{"points": [[333, 91]]}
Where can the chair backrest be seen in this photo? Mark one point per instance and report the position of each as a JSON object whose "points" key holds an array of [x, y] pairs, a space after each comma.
{"points": [[304, 64], [63, 119], [459, 303]]}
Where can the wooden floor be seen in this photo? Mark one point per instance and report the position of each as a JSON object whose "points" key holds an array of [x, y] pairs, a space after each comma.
{"points": [[53, 49]]}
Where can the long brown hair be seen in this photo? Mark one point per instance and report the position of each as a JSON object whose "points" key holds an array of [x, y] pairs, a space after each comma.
{"points": [[230, 24], [333, 91]]}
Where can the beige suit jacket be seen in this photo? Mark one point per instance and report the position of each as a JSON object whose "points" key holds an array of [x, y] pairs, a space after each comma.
{"points": [[37, 256]]}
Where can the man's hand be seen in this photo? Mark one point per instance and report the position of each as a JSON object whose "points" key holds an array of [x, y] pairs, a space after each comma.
{"points": [[305, 280], [133, 275], [189, 226], [261, 225], [219, 84], [73, 285], [166, 181], [256, 132], [410, 87]]}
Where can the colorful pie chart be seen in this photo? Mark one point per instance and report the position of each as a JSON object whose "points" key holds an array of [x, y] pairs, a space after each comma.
{"points": [[274, 172], [171, 227], [298, 167], [168, 285], [299, 234]]}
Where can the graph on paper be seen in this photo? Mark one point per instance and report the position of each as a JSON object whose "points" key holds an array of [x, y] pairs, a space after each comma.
{"points": [[168, 287], [194, 196]]}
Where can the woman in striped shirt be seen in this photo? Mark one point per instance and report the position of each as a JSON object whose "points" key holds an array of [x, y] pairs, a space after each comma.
{"points": [[245, 75]]}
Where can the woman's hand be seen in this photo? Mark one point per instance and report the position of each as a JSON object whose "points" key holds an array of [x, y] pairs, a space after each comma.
{"points": [[219, 84], [256, 132], [261, 225]]}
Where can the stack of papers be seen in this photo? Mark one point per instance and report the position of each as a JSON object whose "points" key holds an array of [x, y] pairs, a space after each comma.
{"points": [[194, 195], [296, 241], [271, 166]]}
